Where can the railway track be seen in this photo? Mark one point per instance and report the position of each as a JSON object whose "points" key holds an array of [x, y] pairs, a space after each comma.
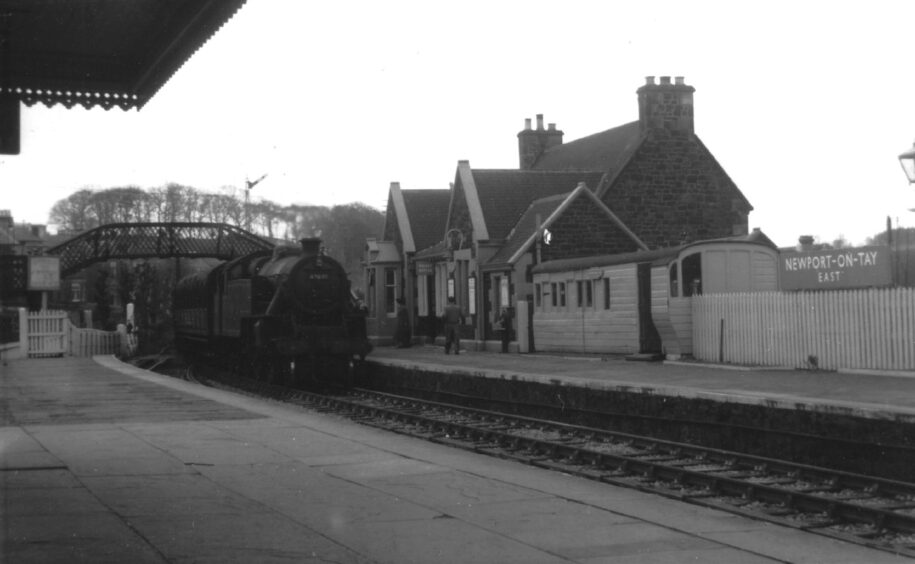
{"points": [[864, 510]]}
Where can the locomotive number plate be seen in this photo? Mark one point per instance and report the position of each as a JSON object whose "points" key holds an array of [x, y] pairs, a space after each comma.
{"points": [[318, 276]]}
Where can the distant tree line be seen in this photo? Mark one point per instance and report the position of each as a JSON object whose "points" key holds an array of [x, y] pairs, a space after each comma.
{"points": [[343, 228]]}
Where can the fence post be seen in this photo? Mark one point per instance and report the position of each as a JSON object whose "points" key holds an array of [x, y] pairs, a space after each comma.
{"points": [[122, 339], [23, 334]]}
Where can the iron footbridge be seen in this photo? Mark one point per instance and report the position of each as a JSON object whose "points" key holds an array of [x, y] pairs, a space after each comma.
{"points": [[156, 240]]}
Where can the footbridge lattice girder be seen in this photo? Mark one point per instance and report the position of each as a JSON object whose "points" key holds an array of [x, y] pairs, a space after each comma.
{"points": [[156, 240]]}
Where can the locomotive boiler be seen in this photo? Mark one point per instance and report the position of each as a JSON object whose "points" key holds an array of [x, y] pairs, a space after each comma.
{"points": [[283, 315]]}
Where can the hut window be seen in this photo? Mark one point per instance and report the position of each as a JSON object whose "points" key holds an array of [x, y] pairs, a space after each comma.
{"points": [[589, 293], [606, 293], [580, 293], [537, 296], [553, 293], [562, 294], [692, 275], [674, 293]]}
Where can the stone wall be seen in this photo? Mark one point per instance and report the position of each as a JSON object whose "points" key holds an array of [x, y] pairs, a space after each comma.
{"points": [[673, 190], [585, 230]]}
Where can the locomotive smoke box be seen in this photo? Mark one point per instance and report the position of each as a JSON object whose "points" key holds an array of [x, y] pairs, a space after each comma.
{"points": [[311, 246]]}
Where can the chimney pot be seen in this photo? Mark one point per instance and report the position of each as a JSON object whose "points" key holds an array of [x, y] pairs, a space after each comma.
{"points": [[671, 113], [527, 124], [551, 126], [539, 121], [649, 80], [678, 80]]}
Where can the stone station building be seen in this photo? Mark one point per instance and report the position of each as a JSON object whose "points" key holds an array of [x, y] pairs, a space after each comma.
{"points": [[648, 184]]}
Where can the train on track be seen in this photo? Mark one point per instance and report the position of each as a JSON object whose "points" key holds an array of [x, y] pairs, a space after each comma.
{"points": [[286, 315]]}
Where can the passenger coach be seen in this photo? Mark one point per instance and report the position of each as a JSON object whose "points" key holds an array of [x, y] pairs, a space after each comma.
{"points": [[640, 302]]}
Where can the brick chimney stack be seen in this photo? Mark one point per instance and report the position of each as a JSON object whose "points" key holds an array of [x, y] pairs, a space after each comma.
{"points": [[533, 142], [665, 106]]}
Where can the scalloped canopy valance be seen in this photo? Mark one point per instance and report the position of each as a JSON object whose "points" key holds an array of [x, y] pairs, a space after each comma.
{"points": [[101, 52]]}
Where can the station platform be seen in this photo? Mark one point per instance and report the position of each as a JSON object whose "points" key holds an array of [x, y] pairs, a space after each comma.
{"points": [[101, 462], [868, 394]]}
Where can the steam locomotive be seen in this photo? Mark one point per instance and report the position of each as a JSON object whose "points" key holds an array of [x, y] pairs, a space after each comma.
{"points": [[286, 315]]}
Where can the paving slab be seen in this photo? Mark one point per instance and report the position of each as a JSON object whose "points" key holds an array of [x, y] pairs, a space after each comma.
{"points": [[183, 473], [94, 537], [224, 539]]}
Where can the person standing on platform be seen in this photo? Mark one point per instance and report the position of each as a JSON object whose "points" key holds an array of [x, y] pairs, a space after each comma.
{"points": [[453, 318], [505, 321], [402, 337]]}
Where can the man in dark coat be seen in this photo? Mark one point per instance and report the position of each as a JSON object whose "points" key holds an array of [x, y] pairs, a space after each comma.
{"points": [[402, 337], [505, 322], [453, 319]]}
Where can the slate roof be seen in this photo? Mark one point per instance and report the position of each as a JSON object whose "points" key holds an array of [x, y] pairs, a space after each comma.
{"points": [[427, 211], [23, 234], [582, 263], [435, 251], [6, 238], [654, 256], [605, 151], [506, 194]]}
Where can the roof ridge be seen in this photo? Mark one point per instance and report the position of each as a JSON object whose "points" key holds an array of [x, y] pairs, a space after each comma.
{"points": [[539, 172]]}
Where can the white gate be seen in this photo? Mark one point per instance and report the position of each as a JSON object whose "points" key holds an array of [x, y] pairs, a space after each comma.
{"points": [[47, 333], [89, 342]]}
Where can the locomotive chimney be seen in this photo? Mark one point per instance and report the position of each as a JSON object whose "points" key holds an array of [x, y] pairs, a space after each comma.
{"points": [[311, 246]]}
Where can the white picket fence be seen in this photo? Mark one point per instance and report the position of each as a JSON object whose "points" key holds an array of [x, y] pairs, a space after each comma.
{"points": [[50, 333], [856, 329]]}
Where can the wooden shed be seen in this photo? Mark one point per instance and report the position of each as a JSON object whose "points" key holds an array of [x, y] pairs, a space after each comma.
{"points": [[639, 303]]}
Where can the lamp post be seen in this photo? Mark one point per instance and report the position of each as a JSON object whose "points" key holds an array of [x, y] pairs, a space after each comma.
{"points": [[907, 160]]}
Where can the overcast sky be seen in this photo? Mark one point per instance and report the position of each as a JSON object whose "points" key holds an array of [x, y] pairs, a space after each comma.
{"points": [[806, 105]]}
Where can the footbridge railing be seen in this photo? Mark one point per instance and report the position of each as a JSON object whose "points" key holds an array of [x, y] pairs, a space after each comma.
{"points": [[156, 240]]}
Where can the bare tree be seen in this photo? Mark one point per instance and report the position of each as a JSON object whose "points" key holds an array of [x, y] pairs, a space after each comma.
{"points": [[74, 213]]}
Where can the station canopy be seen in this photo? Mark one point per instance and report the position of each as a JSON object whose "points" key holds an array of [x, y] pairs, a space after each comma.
{"points": [[107, 53]]}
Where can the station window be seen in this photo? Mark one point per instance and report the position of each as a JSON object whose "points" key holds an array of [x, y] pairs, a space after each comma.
{"points": [[553, 293], [580, 293], [76, 292], [606, 293], [537, 296], [390, 289], [562, 294], [370, 293], [589, 293]]}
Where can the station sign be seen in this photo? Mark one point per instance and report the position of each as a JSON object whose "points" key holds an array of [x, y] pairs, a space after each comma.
{"points": [[44, 273], [836, 269]]}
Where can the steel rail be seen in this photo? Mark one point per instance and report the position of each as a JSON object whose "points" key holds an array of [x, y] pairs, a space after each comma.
{"points": [[877, 511]]}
